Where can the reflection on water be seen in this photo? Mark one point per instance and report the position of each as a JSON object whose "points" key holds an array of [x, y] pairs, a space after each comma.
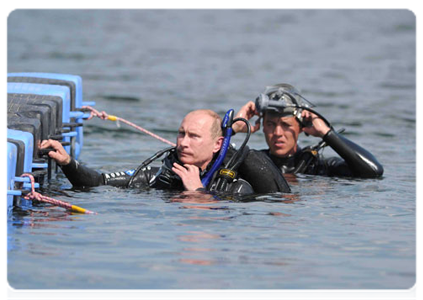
{"points": [[192, 255], [152, 67]]}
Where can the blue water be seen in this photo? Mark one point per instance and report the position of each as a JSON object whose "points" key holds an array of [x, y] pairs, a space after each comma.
{"points": [[152, 67]]}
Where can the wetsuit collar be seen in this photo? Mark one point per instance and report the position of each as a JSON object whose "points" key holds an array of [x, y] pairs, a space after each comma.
{"points": [[286, 164]]}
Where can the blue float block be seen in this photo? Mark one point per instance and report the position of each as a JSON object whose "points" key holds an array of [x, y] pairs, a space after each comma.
{"points": [[28, 141], [12, 157], [74, 79], [50, 90], [74, 83]]}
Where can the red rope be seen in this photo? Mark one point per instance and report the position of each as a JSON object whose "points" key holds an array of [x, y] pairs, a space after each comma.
{"points": [[33, 195], [104, 116]]}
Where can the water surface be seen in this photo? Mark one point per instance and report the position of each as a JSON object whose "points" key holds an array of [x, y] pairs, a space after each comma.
{"points": [[152, 67]]}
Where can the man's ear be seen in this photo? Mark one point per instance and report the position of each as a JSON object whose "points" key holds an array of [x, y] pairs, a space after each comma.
{"points": [[218, 144]]}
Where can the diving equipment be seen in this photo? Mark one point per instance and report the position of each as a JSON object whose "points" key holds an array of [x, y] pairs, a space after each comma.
{"points": [[227, 130], [286, 100], [148, 161], [229, 173], [165, 177]]}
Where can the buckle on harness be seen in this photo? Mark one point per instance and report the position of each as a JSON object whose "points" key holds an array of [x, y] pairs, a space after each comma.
{"points": [[227, 174]]}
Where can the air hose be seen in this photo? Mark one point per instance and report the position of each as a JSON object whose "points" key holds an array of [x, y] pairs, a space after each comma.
{"points": [[227, 129]]}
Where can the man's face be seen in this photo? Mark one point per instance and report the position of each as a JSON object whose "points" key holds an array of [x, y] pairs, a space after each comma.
{"points": [[281, 134], [194, 144]]}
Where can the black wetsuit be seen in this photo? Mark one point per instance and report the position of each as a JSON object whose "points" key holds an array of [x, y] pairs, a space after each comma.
{"points": [[249, 179], [354, 161]]}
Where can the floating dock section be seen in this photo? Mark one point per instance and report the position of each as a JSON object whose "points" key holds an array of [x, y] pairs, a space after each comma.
{"points": [[40, 106]]}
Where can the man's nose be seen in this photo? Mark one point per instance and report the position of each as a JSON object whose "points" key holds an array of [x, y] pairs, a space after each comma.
{"points": [[278, 130], [184, 141]]}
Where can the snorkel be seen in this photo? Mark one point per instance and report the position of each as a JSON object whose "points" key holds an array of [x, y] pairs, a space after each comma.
{"points": [[227, 129]]}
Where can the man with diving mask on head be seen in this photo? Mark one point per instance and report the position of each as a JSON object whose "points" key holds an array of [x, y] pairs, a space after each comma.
{"points": [[285, 114]]}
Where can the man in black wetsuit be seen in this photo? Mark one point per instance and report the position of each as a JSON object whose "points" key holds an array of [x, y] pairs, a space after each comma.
{"points": [[285, 116], [198, 142]]}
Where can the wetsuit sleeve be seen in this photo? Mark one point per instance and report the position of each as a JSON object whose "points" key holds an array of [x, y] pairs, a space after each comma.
{"points": [[356, 161], [80, 175]]}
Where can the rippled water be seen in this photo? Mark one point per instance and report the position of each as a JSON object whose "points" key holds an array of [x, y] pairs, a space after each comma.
{"points": [[152, 67]]}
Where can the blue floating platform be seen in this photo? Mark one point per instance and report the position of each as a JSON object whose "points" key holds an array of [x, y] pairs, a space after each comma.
{"points": [[49, 90], [12, 159], [73, 83], [40, 105]]}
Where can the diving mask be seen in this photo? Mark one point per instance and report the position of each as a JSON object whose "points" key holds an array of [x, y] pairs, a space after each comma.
{"points": [[283, 99]]}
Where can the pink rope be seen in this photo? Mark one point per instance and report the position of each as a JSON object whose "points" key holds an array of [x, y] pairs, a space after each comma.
{"points": [[95, 113], [104, 116], [33, 195]]}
